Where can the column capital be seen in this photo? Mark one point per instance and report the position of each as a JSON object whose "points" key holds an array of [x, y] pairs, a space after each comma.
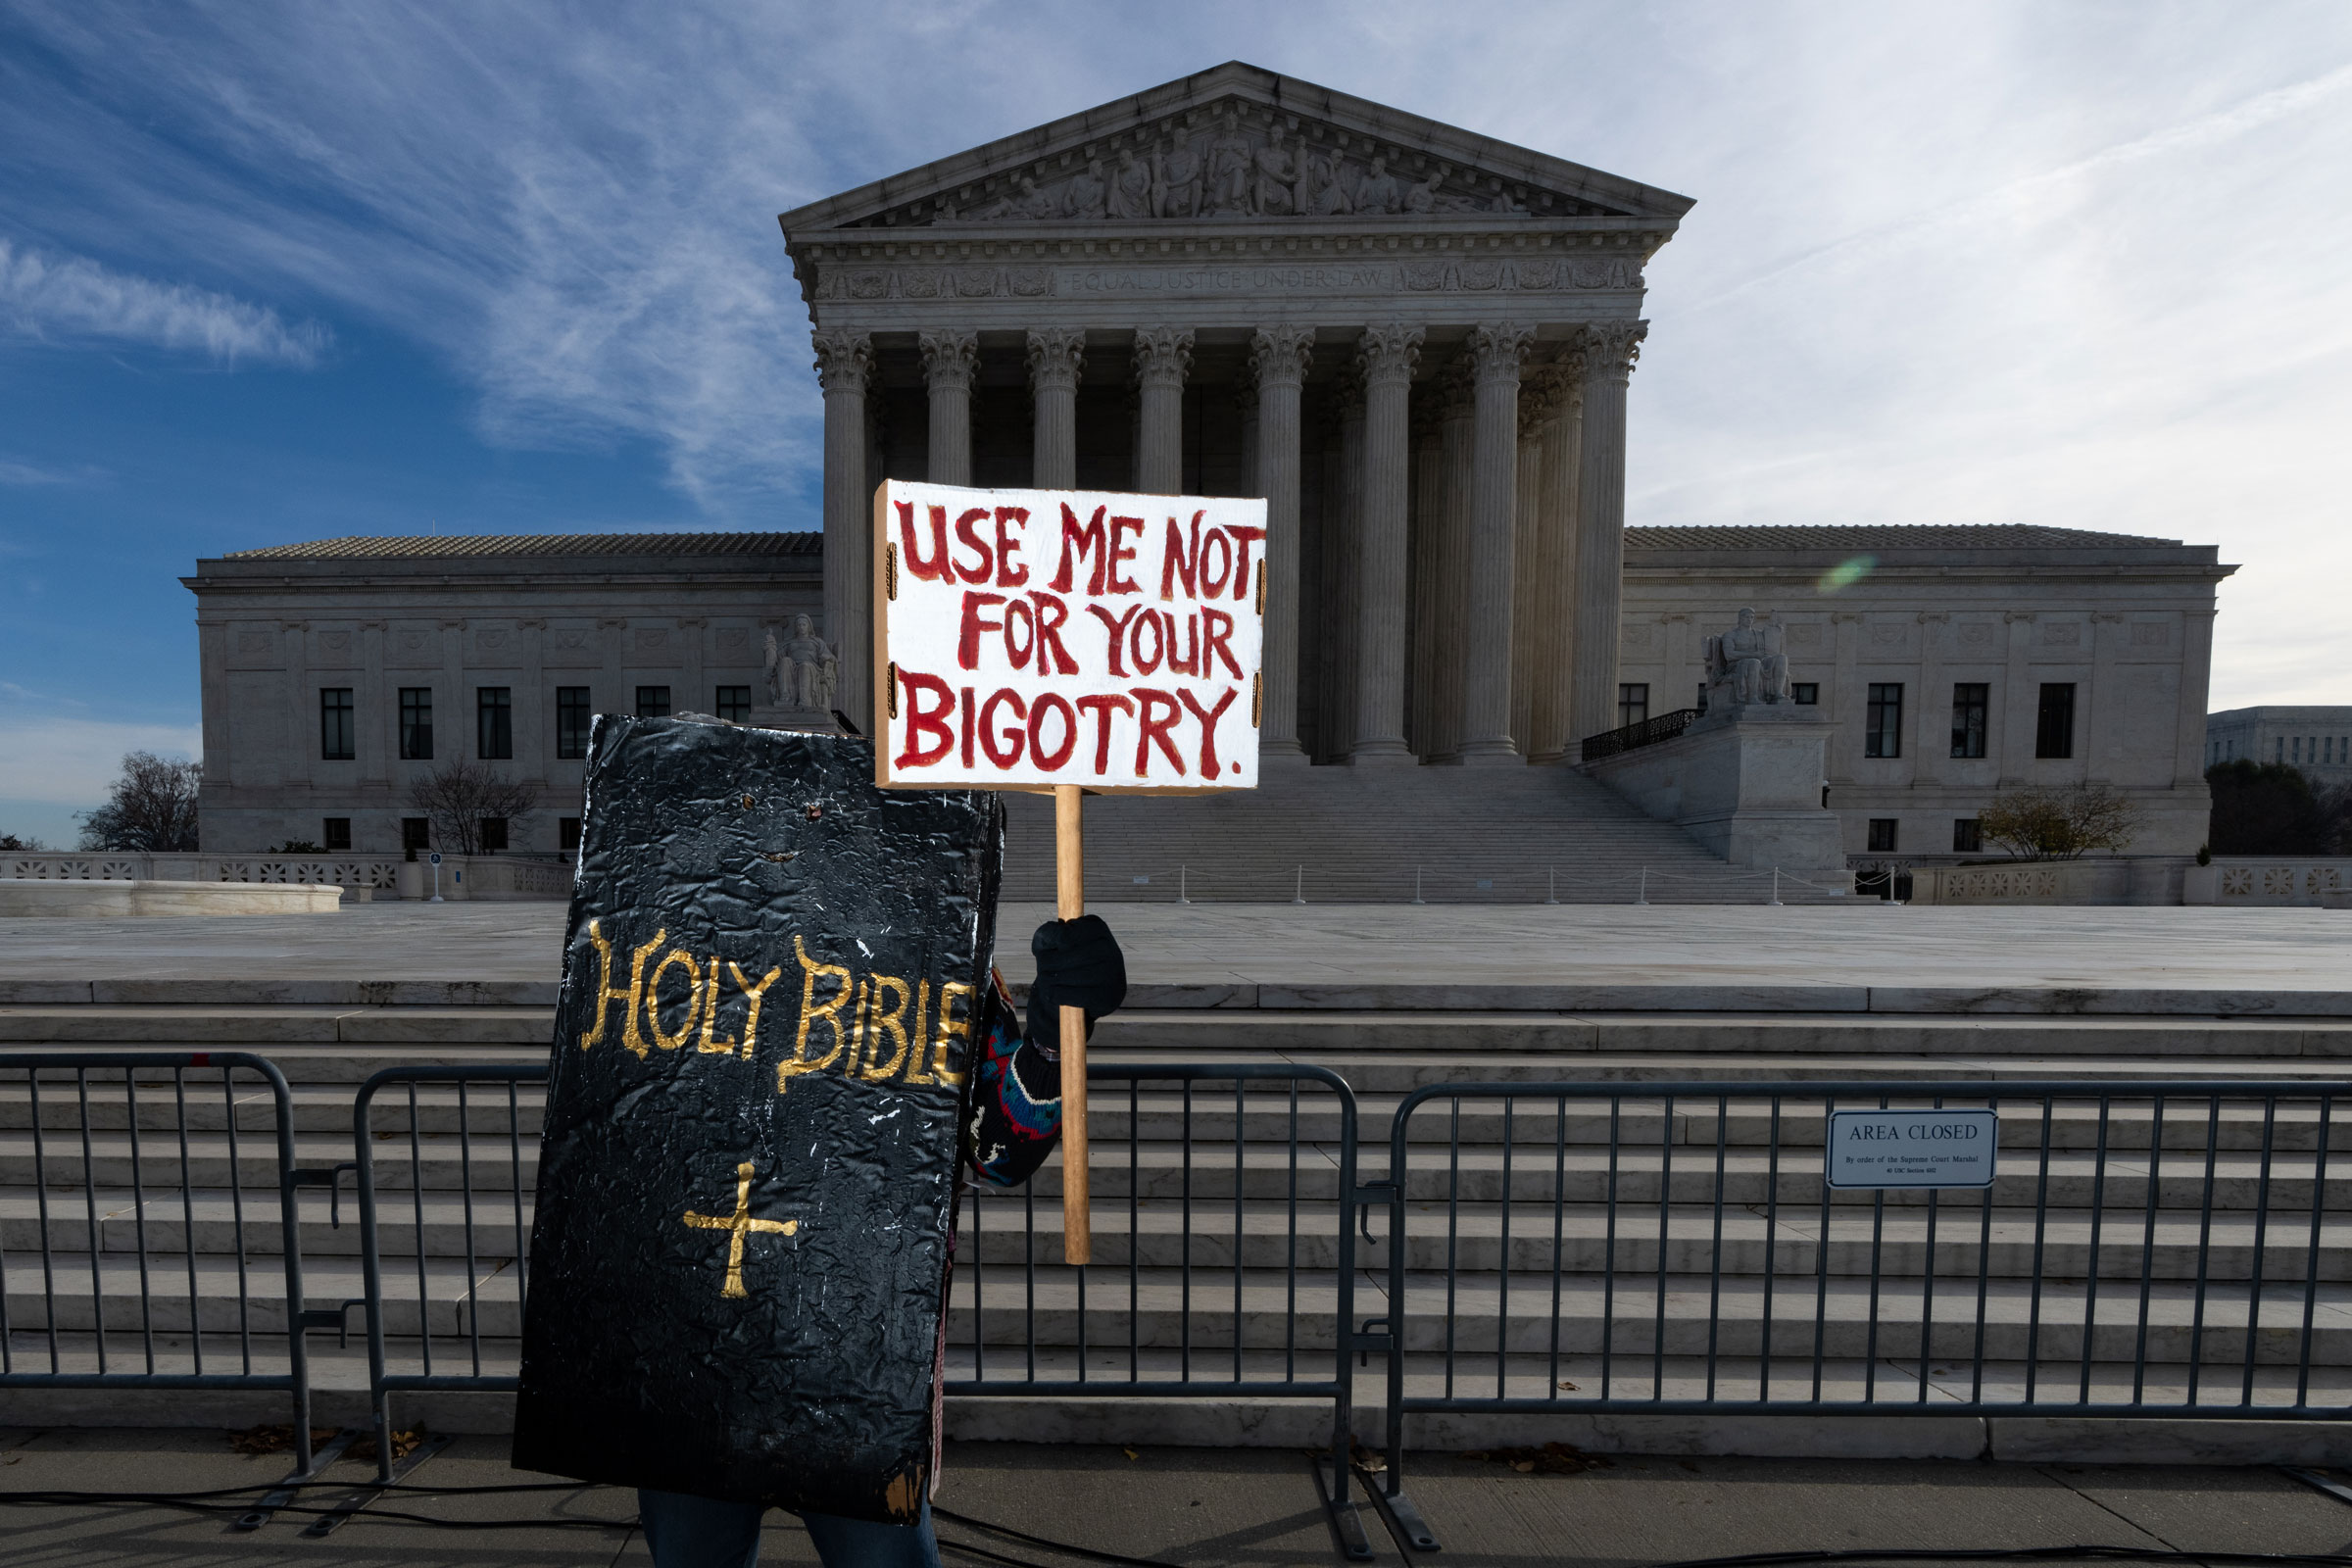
{"points": [[948, 357], [1163, 355], [1388, 354], [1056, 358], [1279, 355], [1498, 351], [1610, 349], [845, 360]]}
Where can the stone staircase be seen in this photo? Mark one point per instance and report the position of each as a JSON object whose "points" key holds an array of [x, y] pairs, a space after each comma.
{"points": [[1182, 1232], [1342, 835]]}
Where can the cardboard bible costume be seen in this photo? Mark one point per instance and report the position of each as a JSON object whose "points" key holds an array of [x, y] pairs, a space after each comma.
{"points": [[737, 1267]]}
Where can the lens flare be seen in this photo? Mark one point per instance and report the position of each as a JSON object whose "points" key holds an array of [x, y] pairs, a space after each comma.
{"points": [[1845, 573]]}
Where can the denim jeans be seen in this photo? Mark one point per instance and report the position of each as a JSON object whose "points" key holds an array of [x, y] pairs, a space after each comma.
{"points": [[688, 1532]]}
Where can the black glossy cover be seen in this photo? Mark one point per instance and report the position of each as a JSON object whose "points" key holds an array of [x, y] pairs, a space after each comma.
{"points": [[746, 1182]]}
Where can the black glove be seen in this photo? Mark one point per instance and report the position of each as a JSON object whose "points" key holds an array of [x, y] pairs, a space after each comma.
{"points": [[1078, 966]]}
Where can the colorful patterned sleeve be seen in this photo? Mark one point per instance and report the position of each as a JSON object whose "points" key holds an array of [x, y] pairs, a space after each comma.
{"points": [[1017, 1097]]}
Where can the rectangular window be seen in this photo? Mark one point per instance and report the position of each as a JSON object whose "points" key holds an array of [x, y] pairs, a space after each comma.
{"points": [[416, 835], [1883, 724], [2278, 744], [1882, 835], [568, 834], [1972, 705], [337, 736], [494, 722], [2054, 729], [494, 834], [1633, 702], [1700, 701], [417, 723], [653, 702], [572, 723], [1968, 835], [2297, 750], [338, 833], [1805, 692], [733, 704]]}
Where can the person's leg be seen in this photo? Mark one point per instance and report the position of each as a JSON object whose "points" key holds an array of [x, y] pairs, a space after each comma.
{"points": [[688, 1532], [862, 1543]]}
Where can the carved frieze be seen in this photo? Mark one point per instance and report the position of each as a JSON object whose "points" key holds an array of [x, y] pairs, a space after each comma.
{"points": [[1234, 159], [1338, 278]]}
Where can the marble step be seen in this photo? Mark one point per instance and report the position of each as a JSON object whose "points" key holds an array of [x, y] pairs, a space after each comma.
{"points": [[1159, 1111], [1005, 1232]]}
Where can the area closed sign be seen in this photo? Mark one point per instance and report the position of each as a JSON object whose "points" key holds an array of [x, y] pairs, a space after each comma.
{"points": [[1043, 637], [1912, 1148]]}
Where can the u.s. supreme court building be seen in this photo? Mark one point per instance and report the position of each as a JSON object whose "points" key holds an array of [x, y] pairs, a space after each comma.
{"points": [[1416, 343]]}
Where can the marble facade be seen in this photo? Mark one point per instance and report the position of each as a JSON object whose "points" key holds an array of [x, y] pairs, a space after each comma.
{"points": [[1414, 342], [529, 617], [2124, 623]]}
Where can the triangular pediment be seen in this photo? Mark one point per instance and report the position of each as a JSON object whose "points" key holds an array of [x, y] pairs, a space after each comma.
{"points": [[1238, 144]]}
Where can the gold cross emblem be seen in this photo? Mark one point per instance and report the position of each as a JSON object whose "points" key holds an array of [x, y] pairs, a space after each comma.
{"points": [[740, 1224]]}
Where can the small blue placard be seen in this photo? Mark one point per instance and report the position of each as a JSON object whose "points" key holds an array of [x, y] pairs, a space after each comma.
{"points": [[1912, 1148]]}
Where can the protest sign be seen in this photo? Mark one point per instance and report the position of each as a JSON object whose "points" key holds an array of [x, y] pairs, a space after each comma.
{"points": [[1043, 637], [1077, 640], [772, 975]]}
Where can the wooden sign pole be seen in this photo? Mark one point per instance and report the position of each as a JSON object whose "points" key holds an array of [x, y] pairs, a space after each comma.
{"points": [[1070, 888]]}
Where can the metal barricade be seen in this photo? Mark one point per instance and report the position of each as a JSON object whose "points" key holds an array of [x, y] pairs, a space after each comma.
{"points": [[2140, 1249], [445, 1174], [131, 1254], [1224, 1257]]}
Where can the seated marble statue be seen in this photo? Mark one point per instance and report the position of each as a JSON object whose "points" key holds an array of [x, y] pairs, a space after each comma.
{"points": [[1748, 660]]}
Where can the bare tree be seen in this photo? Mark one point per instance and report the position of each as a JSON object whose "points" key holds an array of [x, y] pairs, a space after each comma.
{"points": [[10, 841], [458, 797], [151, 807], [2060, 824]]}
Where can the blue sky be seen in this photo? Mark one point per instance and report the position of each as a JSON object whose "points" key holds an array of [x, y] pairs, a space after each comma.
{"points": [[275, 272]]}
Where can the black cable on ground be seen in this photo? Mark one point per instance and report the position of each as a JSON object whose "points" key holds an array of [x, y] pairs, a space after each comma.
{"points": [[2231, 1559]]}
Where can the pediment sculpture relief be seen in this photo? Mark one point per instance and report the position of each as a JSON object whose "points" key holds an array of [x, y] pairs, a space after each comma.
{"points": [[1233, 162]]}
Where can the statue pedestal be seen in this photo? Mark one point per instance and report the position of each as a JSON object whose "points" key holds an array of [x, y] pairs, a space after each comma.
{"points": [[1746, 783], [807, 721]]}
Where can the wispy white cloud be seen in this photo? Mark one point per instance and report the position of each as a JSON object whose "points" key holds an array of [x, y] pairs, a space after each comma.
{"points": [[72, 298], [2076, 264], [31, 474]]}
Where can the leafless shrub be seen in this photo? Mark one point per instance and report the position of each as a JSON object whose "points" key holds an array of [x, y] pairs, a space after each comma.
{"points": [[2060, 824], [459, 797]]}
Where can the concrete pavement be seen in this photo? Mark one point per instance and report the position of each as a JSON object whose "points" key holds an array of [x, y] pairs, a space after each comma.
{"points": [[1866, 956], [1208, 1507]]}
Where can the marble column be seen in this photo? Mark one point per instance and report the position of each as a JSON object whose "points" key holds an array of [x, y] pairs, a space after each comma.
{"points": [[1548, 739], [1385, 357], [845, 362], [1527, 539], [1057, 360], [1457, 475], [1485, 699], [949, 361], [1343, 533], [1163, 357], [1610, 349], [1278, 360], [1427, 422]]}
